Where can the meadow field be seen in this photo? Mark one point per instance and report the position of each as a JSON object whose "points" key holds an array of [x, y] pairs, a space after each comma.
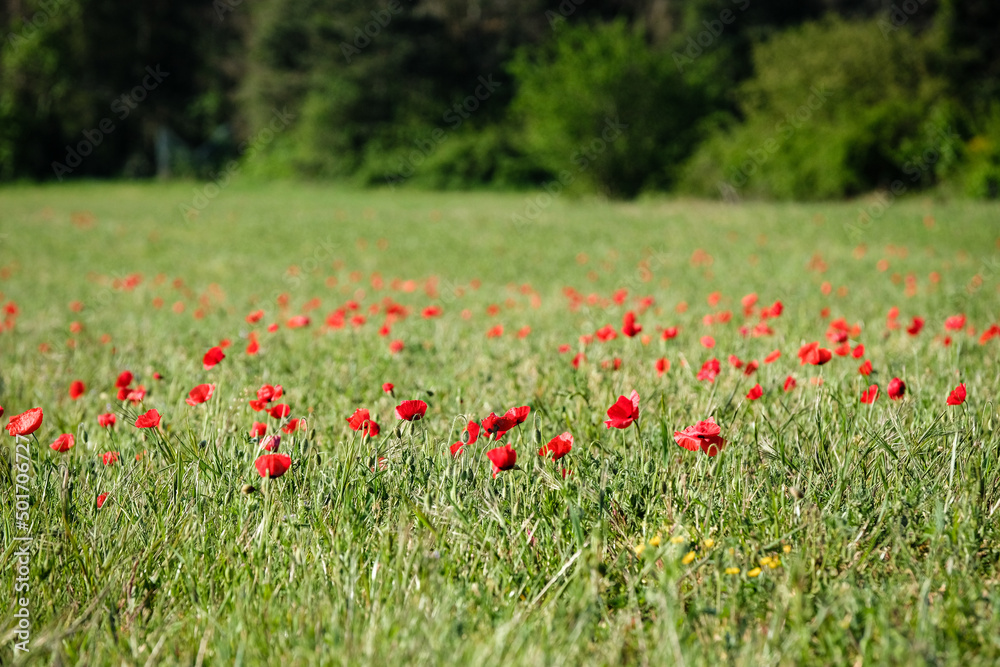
{"points": [[843, 512]]}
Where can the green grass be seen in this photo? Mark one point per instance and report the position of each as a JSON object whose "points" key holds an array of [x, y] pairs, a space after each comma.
{"points": [[881, 518]]}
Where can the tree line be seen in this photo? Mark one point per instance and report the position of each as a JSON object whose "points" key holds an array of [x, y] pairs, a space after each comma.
{"points": [[724, 98]]}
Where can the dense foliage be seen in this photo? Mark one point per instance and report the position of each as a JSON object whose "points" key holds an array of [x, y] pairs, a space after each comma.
{"points": [[393, 93]]}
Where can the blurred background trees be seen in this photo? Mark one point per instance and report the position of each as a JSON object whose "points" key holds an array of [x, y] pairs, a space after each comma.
{"points": [[747, 98]]}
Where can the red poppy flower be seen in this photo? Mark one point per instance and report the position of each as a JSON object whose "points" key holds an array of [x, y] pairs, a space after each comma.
{"points": [[411, 410], [707, 342], [388, 387], [76, 389], [771, 358], [704, 435], [502, 458], [870, 395], [124, 380], [280, 411], [669, 333], [212, 357], [253, 347], [709, 370], [896, 389], [865, 368], [268, 393], [774, 310], [273, 465], [255, 316], [579, 359], [200, 394], [496, 427], [1, 411], [915, 326], [149, 420], [606, 333], [296, 423], [751, 368], [371, 429], [858, 351], [25, 423], [624, 412], [735, 361], [629, 327], [457, 448], [63, 442], [136, 395], [271, 443], [956, 397], [396, 346], [360, 417], [955, 323], [107, 419], [431, 311], [812, 353], [471, 433], [755, 392], [157, 376], [662, 366], [101, 499], [298, 322], [790, 383], [518, 414], [258, 429], [109, 458], [558, 446]]}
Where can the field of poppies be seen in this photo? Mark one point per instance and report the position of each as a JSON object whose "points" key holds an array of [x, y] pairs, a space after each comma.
{"points": [[340, 427]]}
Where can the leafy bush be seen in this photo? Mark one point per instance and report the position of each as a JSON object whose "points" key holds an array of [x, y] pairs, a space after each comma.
{"points": [[834, 108], [604, 108]]}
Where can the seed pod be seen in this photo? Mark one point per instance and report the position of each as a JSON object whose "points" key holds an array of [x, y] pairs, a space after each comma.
{"points": [[248, 489]]}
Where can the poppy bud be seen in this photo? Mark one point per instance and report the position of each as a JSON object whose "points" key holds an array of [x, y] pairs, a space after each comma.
{"points": [[538, 436], [248, 489], [466, 436]]}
